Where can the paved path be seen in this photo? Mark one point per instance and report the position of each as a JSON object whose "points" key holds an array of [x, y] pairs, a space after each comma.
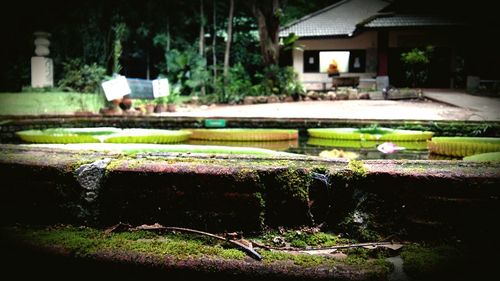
{"points": [[470, 108], [487, 108]]}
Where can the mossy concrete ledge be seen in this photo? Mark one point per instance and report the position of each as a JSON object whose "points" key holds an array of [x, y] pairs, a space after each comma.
{"points": [[245, 193]]}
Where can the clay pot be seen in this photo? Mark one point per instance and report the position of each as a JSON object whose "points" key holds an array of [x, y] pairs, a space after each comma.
{"points": [[171, 107]]}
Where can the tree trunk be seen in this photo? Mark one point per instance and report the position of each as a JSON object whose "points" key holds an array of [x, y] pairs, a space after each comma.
{"points": [[168, 34], [229, 39], [268, 21], [202, 40], [214, 41]]}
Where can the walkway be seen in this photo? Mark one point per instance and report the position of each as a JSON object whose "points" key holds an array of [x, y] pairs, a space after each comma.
{"points": [[443, 106], [483, 108]]}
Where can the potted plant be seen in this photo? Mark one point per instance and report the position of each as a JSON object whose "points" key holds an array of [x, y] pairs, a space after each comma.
{"points": [[161, 104], [150, 107], [173, 98]]}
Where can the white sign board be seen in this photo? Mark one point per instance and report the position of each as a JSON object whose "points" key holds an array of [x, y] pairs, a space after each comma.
{"points": [[116, 88], [160, 88]]}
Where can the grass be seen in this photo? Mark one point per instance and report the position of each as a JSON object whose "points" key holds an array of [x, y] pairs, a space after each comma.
{"points": [[37, 103]]}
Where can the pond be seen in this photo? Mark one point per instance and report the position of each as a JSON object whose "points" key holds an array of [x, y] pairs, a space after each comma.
{"points": [[348, 143], [314, 146]]}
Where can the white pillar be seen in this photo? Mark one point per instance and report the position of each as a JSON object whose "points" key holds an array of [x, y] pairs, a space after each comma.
{"points": [[42, 72], [42, 67]]}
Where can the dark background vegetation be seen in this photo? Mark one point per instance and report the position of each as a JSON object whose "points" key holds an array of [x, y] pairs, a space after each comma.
{"points": [[84, 30]]}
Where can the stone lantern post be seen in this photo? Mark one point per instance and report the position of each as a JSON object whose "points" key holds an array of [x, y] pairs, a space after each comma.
{"points": [[42, 67]]}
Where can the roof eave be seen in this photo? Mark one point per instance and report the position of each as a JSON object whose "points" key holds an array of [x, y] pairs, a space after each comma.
{"points": [[314, 14]]}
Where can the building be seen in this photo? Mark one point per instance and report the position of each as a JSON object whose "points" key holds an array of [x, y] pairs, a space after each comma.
{"points": [[367, 38]]}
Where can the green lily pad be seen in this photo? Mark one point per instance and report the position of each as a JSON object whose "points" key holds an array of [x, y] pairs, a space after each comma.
{"points": [[463, 146], [244, 134], [370, 134], [134, 148], [103, 134], [484, 157]]}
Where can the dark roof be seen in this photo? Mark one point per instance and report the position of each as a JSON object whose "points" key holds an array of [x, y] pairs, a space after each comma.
{"points": [[344, 17], [410, 21], [339, 19]]}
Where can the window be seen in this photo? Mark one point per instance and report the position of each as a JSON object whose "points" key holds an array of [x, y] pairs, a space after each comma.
{"points": [[347, 61], [311, 61]]}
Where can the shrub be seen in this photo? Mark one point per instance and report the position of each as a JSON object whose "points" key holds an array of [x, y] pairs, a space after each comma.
{"points": [[416, 62], [238, 86], [81, 77], [278, 81]]}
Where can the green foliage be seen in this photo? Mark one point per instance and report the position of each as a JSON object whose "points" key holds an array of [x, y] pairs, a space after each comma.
{"points": [[174, 94], [277, 80], [290, 43], [187, 69], [416, 62], [239, 85], [82, 77]]}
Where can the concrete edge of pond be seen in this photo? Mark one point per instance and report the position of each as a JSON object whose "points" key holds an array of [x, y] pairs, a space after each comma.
{"points": [[416, 200], [221, 192]]}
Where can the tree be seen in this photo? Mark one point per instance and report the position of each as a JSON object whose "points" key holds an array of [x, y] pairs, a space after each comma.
{"points": [[120, 30], [228, 42], [202, 39], [268, 15], [214, 43]]}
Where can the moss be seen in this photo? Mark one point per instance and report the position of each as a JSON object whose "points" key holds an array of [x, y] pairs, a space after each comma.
{"points": [[359, 258], [303, 260], [303, 238], [295, 183], [357, 167], [355, 170], [83, 241], [423, 262], [262, 204], [114, 164], [359, 226], [247, 174], [80, 241]]}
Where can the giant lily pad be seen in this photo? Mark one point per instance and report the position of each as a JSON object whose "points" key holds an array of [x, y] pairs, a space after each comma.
{"points": [[148, 136], [134, 148], [463, 146], [273, 145], [98, 135], [244, 134], [371, 134], [484, 157], [410, 145]]}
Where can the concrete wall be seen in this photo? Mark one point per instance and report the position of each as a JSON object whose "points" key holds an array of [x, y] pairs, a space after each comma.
{"points": [[365, 41]]}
